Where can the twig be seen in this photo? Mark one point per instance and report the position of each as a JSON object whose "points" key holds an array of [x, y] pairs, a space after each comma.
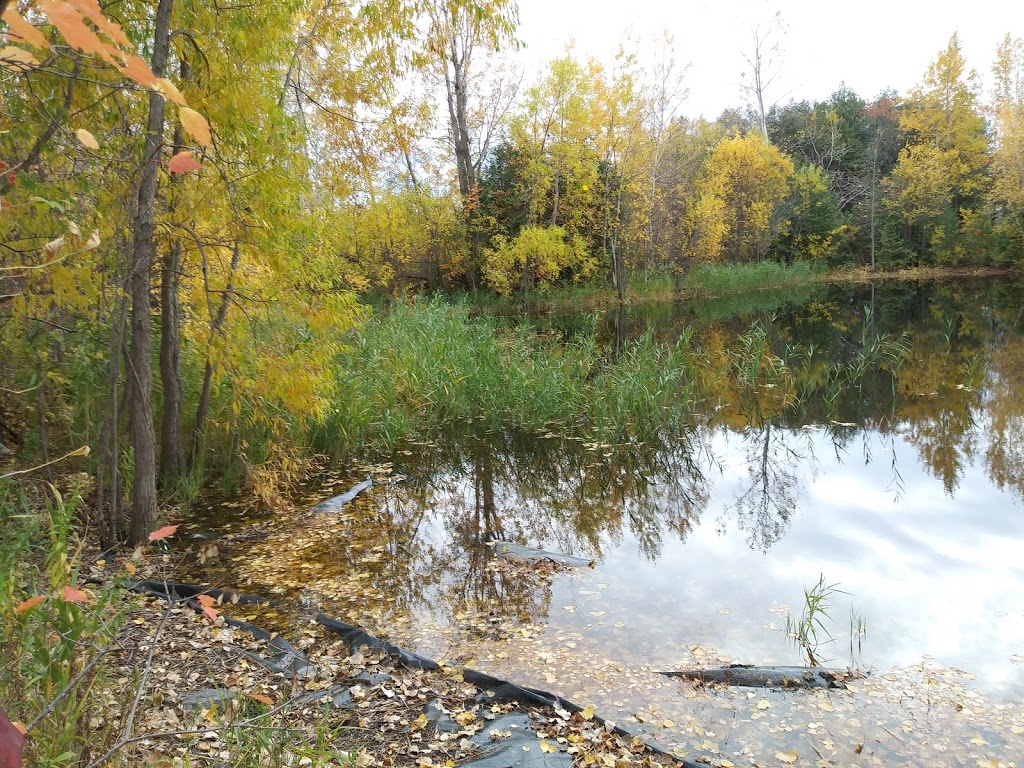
{"points": [[190, 732], [67, 689], [129, 726], [83, 451]]}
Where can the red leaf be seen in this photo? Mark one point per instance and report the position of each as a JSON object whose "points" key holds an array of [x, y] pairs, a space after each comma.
{"points": [[208, 602], [162, 533], [12, 742], [72, 595], [261, 699], [183, 162], [32, 602]]}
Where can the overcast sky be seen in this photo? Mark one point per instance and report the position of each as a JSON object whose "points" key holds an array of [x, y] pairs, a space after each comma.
{"points": [[868, 44]]}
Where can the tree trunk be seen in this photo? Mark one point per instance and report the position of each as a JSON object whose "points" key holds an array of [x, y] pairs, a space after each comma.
{"points": [[140, 356], [172, 449], [456, 74], [216, 327]]}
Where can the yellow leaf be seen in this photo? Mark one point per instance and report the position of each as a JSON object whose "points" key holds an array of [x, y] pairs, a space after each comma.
{"points": [[588, 712], [196, 125], [15, 58], [763, 704], [87, 139], [170, 91], [667, 724], [419, 723], [787, 757], [465, 718], [546, 746]]}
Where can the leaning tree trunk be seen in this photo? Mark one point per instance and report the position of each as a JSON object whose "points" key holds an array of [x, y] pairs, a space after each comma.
{"points": [[140, 362]]}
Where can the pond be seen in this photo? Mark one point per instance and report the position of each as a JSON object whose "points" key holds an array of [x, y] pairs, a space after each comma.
{"points": [[867, 440]]}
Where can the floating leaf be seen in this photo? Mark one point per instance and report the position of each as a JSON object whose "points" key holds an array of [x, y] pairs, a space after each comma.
{"points": [[183, 162], [162, 533], [87, 139], [787, 757], [32, 602], [196, 125]]}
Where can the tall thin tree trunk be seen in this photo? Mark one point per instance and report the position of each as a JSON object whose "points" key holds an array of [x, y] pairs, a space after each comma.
{"points": [[216, 328], [172, 449], [107, 470], [140, 355]]}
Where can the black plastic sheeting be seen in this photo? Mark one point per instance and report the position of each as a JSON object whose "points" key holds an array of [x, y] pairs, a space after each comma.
{"points": [[290, 660], [190, 591], [498, 690]]}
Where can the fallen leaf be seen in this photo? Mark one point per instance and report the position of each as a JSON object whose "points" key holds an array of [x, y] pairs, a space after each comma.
{"points": [[546, 746], [261, 699], [787, 757]]}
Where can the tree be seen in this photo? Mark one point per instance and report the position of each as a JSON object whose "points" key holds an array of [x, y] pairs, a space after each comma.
{"points": [[738, 194], [941, 172], [140, 356], [764, 60], [458, 34], [1008, 155]]}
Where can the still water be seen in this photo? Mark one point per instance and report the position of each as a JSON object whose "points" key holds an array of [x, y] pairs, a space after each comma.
{"points": [[900, 485]]}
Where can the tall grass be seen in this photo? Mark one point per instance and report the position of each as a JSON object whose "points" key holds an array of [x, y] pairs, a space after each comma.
{"points": [[721, 279], [427, 364], [50, 650]]}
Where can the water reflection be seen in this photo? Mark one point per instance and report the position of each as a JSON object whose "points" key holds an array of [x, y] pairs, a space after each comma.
{"points": [[871, 434]]}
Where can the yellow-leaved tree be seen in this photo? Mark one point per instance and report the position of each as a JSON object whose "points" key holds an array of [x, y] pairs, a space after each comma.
{"points": [[1008, 154], [739, 192], [940, 175]]}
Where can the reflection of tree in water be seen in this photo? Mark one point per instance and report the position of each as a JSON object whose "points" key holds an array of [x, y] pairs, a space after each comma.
{"points": [[775, 469], [557, 493]]}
